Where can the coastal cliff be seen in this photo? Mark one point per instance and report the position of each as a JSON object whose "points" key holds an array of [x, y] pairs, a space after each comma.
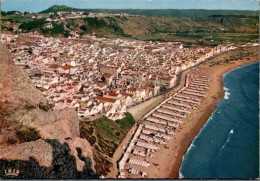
{"points": [[35, 139]]}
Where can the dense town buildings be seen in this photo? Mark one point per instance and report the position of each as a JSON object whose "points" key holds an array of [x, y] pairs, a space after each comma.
{"points": [[104, 76]]}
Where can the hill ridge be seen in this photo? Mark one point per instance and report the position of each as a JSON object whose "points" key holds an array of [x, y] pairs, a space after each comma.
{"points": [[156, 12]]}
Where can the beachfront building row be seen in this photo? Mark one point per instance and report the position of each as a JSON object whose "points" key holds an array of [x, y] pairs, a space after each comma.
{"points": [[158, 128]]}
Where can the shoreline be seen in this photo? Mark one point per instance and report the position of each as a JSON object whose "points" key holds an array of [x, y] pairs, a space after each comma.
{"points": [[171, 158], [196, 130], [219, 99], [175, 165]]}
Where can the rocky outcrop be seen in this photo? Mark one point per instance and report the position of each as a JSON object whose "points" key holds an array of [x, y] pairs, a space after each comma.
{"points": [[55, 160], [35, 136], [23, 103], [26, 150], [57, 124]]}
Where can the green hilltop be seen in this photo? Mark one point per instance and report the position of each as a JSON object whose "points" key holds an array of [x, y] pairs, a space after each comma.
{"points": [[57, 8]]}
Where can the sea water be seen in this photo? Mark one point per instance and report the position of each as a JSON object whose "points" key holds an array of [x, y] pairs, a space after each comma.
{"points": [[228, 144]]}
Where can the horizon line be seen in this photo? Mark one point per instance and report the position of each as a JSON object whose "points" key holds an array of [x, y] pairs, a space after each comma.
{"points": [[139, 9]]}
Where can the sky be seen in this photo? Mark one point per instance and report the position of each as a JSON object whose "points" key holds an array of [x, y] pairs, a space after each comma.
{"points": [[39, 5]]}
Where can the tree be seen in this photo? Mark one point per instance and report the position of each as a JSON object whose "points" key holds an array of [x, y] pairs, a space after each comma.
{"points": [[68, 26], [103, 78], [3, 13], [45, 30], [57, 28], [11, 29], [81, 33], [30, 50], [66, 33], [83, 27], [32, 25]]}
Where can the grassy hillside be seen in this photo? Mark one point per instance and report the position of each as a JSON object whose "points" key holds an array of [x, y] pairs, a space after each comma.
{"points": [[105, 135], [210, 30], [186, 25], [184, 29], [157, 12]]}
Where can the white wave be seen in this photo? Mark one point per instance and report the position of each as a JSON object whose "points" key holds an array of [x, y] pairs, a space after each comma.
{"points": [[190, 147], [226, 89], [228, 139], [180, 175], [230, 133], [226, 95], [225, 144]]}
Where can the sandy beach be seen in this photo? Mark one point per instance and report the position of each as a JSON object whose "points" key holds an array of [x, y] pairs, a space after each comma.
{"points": [[214, 69], [167, 161]]}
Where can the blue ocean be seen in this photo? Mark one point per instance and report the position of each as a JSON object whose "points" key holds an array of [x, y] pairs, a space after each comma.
{"points": [[227, 147]]}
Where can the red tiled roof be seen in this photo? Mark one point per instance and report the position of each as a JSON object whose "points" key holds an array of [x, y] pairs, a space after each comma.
{"points": [[131, 89], [85, 102], [43, 89], [150, 48], [53, 51], [150, 85], [107, 75], [125, 94], [101, 85], [66, 67], [96, 90], [54, 66], [105, 99], [69, 100], [112, 94]]}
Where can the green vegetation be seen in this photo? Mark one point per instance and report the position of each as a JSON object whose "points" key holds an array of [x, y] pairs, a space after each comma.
{"points": [[27, 135], [45, 107], [84, 27], [191, 27], [32, 25], [103, 26], [57, 8], [29, 107], [158, 12], [233, 16], [105, 135], [127, 122], [186, 30], [11, 141], [57, 28], [95, 22], [11, 29], [4, 13], [113, 24], [66, 33], [41, 25]]}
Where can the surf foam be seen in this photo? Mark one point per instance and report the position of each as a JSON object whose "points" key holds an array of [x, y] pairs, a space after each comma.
{"points": [[226, 93]]}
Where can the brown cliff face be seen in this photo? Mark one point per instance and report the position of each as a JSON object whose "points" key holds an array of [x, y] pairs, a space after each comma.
{"points": [[35, 136]]}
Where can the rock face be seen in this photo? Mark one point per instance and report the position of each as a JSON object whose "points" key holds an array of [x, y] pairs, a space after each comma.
{"points": [[26, 150], [60, 153], [47, 159], [23, 103]]}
